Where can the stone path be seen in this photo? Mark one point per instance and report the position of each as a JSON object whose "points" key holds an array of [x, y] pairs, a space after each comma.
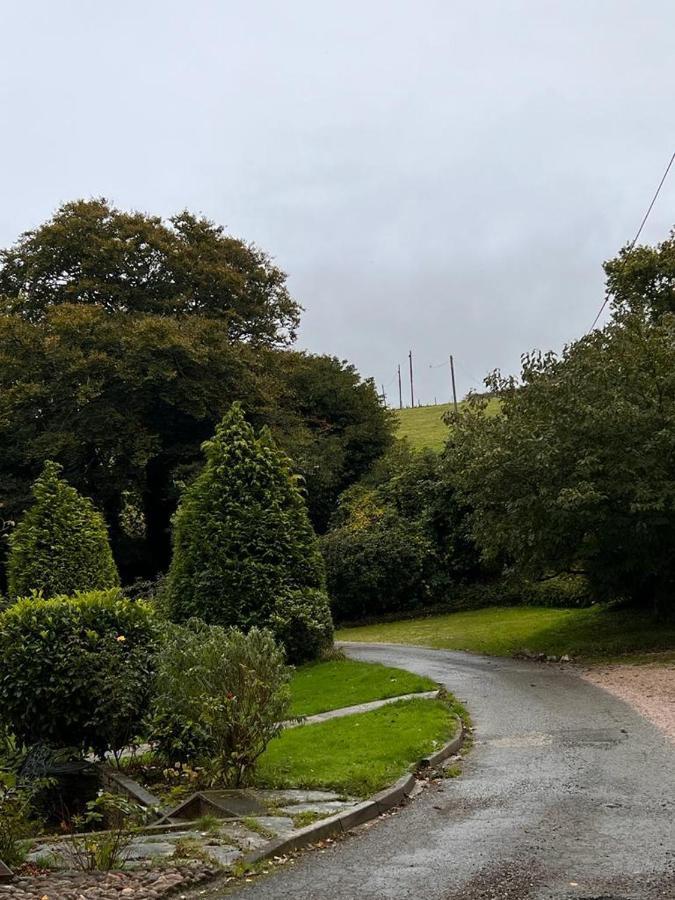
{"points": [[159, 862]]}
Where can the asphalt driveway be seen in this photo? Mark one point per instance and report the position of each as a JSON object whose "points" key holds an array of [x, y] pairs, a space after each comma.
{"points": [[568, 793]]}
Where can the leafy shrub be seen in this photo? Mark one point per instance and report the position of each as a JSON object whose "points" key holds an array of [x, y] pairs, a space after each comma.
{"points": [[233, 685], [379, 565], [76, 670], [61, 544], [115, 818], [15, 825], [562, 591], [302, 623], [242, 536], [399, 539]]}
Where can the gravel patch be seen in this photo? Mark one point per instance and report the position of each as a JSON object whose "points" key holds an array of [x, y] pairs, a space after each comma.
{"points": [[106, 885], [649, 689]]}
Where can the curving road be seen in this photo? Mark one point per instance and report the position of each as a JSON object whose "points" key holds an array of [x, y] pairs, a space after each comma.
{"points": [[568, 793]]}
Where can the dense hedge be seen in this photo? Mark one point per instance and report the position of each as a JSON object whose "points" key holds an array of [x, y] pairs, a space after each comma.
{"points": [[61, 544], [243, 541], [301, 622], [76, 671], [380, 566]]}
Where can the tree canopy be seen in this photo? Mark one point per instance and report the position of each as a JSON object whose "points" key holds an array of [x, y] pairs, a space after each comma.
{"points": [[643, 278], [124, 340], [577, 473], [91, 253]]}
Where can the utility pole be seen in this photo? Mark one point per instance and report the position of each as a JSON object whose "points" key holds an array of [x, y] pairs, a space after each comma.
{"points": [[400, 392], [452, 375], [412, 388], [384, 396]]}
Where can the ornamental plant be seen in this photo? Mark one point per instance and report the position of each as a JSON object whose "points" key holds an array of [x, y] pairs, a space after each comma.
{"points": [[76, 671], [242, 537], [220, 696], [61, 544]]}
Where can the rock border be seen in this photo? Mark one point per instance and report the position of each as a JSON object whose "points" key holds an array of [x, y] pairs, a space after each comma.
{"points": [[370, 809]]}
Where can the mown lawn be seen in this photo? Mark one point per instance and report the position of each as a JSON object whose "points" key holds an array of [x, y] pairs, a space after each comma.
{"points": [[423, 426], [321, 686], [357, 754], [592, 635]]}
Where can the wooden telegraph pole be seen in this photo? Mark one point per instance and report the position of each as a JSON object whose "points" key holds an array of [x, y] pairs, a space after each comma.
{"points": [[400, 392], [452, 376], [412, 388]]}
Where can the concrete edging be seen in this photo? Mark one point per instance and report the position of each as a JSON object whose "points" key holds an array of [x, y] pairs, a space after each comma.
{"points": [[370, 809]]}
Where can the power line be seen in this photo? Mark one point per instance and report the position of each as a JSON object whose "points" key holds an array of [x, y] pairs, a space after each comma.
{"points": [[637, 234]]}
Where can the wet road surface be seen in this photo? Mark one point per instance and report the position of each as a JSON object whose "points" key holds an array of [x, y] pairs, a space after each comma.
{"points": [[567, 793]]}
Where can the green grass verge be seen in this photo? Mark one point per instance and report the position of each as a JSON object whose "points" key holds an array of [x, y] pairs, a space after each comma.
{"points": [[330, 685], [423, 426], [595, 634], [357, 754]]}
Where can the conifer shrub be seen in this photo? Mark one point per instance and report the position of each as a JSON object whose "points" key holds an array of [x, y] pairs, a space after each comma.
{"points": [[77, 671], [61, 544], [244, 548]]}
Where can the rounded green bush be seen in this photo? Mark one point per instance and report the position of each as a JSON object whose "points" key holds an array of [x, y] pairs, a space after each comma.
{"points": [[61, 545], [76, 671], [301, 622], [242, 535], [379, 565]]}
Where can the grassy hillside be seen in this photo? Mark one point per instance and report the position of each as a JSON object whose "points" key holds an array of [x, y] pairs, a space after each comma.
{"points": [[423, 426]]}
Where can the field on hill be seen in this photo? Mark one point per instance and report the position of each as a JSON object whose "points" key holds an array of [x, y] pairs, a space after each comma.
{"points": [[424, 427]]}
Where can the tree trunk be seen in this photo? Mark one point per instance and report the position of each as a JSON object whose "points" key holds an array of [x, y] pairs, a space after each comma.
{"points": [[158, 507]]}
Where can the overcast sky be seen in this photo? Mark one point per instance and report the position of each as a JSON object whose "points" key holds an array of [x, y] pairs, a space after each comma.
{"points": [[434, 175]]}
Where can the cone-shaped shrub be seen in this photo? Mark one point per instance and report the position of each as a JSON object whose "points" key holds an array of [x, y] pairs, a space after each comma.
{"points": [[61, 544], [243, 541]]}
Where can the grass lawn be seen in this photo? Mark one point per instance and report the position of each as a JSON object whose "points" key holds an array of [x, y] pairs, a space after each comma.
{"points": [[357, 754], [423, 426], [321, 686], [590, 634]]}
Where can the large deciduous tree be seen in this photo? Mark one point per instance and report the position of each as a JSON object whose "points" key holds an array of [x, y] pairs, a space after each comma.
{"points": [[123, 341], [577, 473], [643, 278]]}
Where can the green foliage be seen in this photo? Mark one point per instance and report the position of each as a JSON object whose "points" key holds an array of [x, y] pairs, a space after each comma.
{"points": [[233, 686], [93, 254], [399, 540], [131, 337], [244, 549], [61, 544], [577, 474], [332, 424], [15, 822], [302, 624], [116, 818], [382, 564], [643, 278], [76, 670]]}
